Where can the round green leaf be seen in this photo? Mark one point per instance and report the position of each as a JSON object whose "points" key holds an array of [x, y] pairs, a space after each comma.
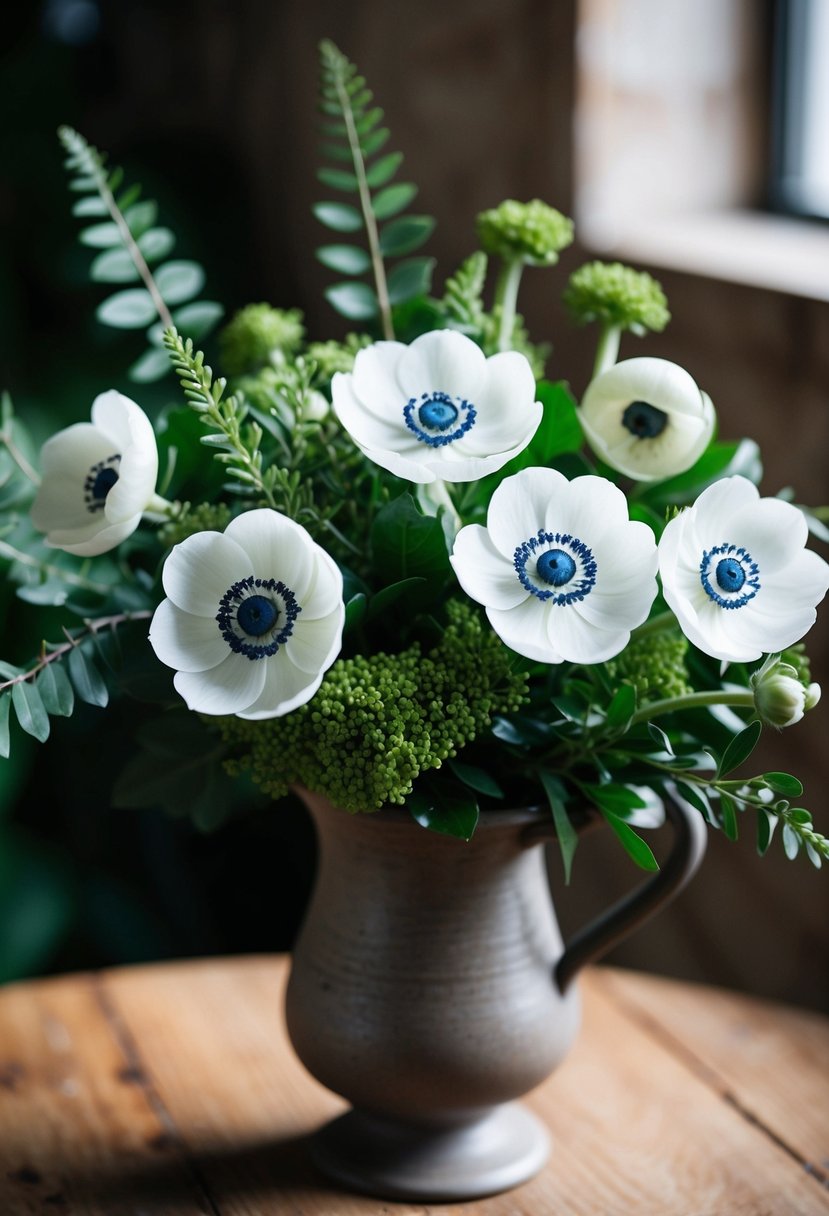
{"points": [[179, 281], [339, 179], [196, 320], [140, 217], [357, 301], [345, 259], [405, 234], [113, 266], [100, 236], [384, 169], [393, 199], [342, 217], [90, 206], [410, 278], [156, 243], [152, 365], [127, 309]]}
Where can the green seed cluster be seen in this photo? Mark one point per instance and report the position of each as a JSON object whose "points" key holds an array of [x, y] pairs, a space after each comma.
{"points": [[256, 333], [331, 357], [618, 296], [655, 666], [529, 232], [203, 517], [378, 721]]}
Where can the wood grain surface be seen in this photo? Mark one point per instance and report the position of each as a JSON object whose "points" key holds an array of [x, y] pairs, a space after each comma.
{"points": [[172, 1089]]}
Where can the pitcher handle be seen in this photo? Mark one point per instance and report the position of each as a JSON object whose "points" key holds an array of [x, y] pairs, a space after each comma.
{"points": [[612, 926]]}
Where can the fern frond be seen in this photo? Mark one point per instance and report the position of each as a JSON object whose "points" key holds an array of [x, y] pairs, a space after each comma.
{"points": [[462, 295], [355, 137], [125, 232]]}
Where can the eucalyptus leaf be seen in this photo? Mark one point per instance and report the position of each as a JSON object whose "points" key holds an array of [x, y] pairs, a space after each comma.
{"points": [[132, 309], [791, 841], [198, 319], [784, 783], [141, 216], [383, 170], [739, 749], [393, 199], [345, 259], [338, 179], [30, 710], [114, 266], [93, 205], [342, 217], [151, 366], [179, 281], [405, 234], [101, 236], [56, 691], [156, 243], [5, 734], [356, 301], [87, 679], [410, 278]]}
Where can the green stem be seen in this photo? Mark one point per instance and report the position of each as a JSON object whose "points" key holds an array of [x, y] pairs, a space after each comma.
{"points": [[663, 620], [132, 249], [377, 265], [506, 299], [17, 456], [693, 700], [607, 350], [74, 580]]}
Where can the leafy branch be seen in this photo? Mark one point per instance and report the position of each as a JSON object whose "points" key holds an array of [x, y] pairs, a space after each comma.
{"points": [[125, 231], [354, 127]]}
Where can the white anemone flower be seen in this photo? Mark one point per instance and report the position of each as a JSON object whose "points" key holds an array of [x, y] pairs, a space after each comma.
{"points": [[737, 575], [253, 618], [438, 409], [563, 572], [98, 478], [647, 418]]}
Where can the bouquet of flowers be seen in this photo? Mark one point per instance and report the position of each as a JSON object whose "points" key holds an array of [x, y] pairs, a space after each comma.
{"points": [[406, 568]]}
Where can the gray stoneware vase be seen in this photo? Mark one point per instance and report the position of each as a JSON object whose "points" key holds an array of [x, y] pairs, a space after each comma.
{"points": [[431, 988]]}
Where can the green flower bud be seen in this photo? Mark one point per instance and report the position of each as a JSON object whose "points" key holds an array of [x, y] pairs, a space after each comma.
{"points": [[618, 296], [525, 232], [331, 357], [259, 334], [780, 699]]}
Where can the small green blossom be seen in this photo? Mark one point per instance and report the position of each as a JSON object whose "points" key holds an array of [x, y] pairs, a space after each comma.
{"points": [[618, 296], [260, 334], [378, 721], [203, 517], [654, 665], [332, 357], [526, 232]]}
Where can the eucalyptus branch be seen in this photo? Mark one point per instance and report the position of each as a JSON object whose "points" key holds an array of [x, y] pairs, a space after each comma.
{"points": [[67, 576], [223, 415], [92, 628], [76, 145], [8, 441]]}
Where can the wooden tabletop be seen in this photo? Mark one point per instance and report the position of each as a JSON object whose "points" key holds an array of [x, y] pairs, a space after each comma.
{"points": [[172, 1089]]}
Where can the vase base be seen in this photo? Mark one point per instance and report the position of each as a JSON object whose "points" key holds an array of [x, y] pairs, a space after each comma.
{"points": [[393, 1159]]}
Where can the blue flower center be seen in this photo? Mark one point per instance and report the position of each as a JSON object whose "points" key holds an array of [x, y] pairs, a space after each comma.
{"points": [[438, 418], [256, 616], [552, 560], [729, 575], [555, 567], [99, 481], [644, 420]]}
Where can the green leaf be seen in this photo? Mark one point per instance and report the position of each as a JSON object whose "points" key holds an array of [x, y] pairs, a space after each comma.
{"points": [[634, 845], [393, 200], [784, 783], [567, 835], [338, 179], [179, 281], [114, 266], [5, 736], [55, 690], [345, 259], [621, 708], [410, 278], [718, 460], [476, 778], [31, 713], [101, 236], [355, 610], [766, 823], [658, 735], [374, 141], [140, 217], [405, 543], [739, 749], [342, 217], [132, 309], [698, 799], [384, 169], [197, 320], [152, 365], [615, 799], [791, 841], [357, 301], [90, 206], [156, 243], [729, 816], [87, 679], [405, 234], [451, 814], [383, 600]]}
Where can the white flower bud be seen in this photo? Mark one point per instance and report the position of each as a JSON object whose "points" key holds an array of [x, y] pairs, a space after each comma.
{"points": [[779, 697]]}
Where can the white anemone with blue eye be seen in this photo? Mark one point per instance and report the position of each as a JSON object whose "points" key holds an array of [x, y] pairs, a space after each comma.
{"points": [[737, 575], [97, 478], [253, 618], [563, 572], [647, 418], [438, 409]]}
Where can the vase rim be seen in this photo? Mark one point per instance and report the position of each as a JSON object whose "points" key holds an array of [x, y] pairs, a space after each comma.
{"points": [[490, 818]]}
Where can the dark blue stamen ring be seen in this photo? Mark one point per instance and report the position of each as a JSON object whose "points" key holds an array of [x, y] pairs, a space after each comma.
{"points": [[560, 560], [729, 575], [99, 481], [437, 418], [644, 420], [256, 616]]}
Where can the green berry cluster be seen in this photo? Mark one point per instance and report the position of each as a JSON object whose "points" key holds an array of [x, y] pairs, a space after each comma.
{"points": [[618, 296], [203, 517], [379, 720], [331, 357], [654, 665], [256, 334], [528, 232]]}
